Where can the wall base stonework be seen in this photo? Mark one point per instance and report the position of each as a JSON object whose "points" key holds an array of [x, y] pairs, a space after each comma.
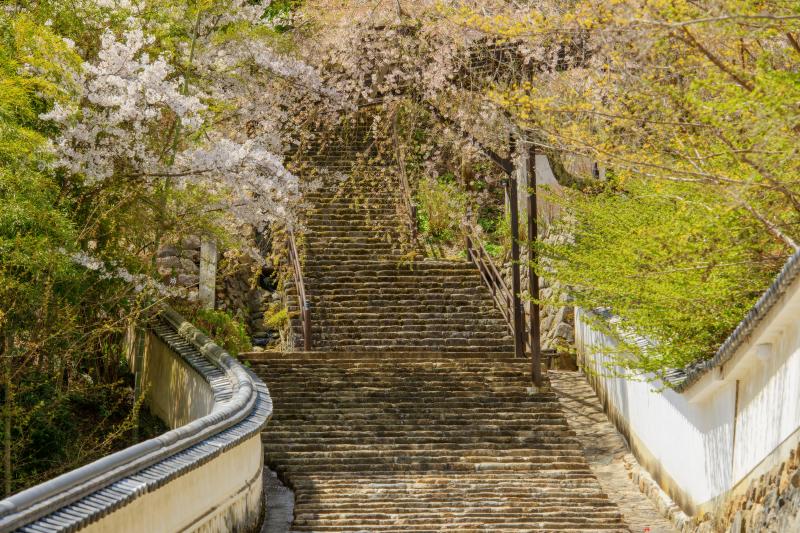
{"points": [[771, 503], [662, 502]]}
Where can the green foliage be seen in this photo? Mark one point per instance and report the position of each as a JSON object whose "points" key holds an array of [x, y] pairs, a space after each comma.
{"points": [[276, 316], [224, 329], [677, 265], [55, 431], [490, 218], [65, 388], [441, 207], [696, 116], [279, 13], [495, 250]]}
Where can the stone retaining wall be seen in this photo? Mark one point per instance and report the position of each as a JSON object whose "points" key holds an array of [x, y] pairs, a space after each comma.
{"points": [[771, 503], [237, 290]]}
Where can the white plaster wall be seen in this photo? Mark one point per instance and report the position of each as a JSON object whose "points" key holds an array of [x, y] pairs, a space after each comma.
{"points": [[678, 442], [769, 402], [727, 428], [174, 391], [225, 494]]}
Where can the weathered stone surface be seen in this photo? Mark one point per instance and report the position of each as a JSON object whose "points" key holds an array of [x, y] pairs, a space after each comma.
{"points": [[771, 503], [171, 261], [191, 255], [416, 416], [168, 251], [188, 280], [191, 242], [608, 455], [425, 442], [364, 292]]}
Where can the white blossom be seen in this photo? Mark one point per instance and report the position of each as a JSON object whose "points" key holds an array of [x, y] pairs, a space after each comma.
{"points": [[125, 96], [139, 282]]}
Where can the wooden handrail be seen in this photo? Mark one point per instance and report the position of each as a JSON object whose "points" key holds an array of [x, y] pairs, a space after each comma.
{"points": [[297, 273], [489, 273], [411, 209], [502, 295]]}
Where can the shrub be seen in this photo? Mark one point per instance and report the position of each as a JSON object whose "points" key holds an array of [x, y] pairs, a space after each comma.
{"points": [[223, 329]]}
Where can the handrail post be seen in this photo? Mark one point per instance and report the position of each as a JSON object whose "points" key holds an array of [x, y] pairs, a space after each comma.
{"points": [[533, 278], [406, 186], [490, 276], [516, 302], [305, 307], [306, 327]]}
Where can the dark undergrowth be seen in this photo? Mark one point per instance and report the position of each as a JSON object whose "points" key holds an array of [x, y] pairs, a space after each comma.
{"points": [[57, 432]]}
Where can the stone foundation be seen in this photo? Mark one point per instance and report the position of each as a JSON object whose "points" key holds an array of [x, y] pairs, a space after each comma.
{"points": [[771, 503], [237, 290]]}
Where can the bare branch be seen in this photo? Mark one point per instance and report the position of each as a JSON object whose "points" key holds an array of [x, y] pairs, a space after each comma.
{"points": [[793, 41], [772, 228], [691, 40], [721, 18]]}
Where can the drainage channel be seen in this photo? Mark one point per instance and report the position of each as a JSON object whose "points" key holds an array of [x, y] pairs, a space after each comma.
{"points": [[279, 504]]}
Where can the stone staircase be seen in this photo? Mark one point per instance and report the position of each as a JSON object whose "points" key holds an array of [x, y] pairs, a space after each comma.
{"points": [[412, 414], [419, 441], [368, 289]]}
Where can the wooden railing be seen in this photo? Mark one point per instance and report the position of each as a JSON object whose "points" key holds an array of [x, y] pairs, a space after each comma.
{"points": [[500, 292], [297, 274], [405, 186], [491, 276]]}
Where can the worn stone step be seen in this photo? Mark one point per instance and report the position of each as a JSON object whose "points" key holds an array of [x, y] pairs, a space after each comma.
{"points": [[413, 415], [404, 343], [443, 331], [414, 357], [411, 445], [442, 323]]}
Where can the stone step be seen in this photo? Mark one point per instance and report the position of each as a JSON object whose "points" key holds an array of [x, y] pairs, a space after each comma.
{"points": [[366, 313], [542, 505], [406, 290], [514, 481], [411, 321], [345, 360], [446, 522], [403, 345], [344, 209], [353, 248], [511, 376], [334, 215], [477, 527], [394, 270], [397, 346], [488, 514], [412, 268], [398, 308], [396, 331], [361, 222], [413, 415], [304, 443], [460, 399], [351, 281], [355, 282], [516, 487], [325, 232], [404, 341], [557, 444]]}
